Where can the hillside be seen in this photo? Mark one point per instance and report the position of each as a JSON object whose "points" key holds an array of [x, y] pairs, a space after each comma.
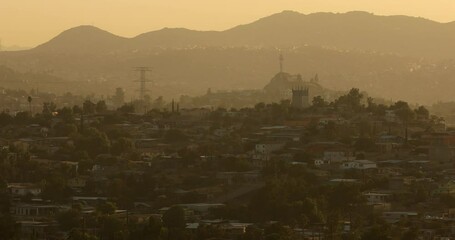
{"points": [[392, 57], [82, 39], [360, 31], [351, 31]]}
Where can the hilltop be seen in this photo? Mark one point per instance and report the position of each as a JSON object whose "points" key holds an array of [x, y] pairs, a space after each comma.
{"points": [[409, 36]]}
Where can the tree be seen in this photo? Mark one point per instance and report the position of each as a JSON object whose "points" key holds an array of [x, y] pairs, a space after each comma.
{"points": [[29, 100], [422, 112], [122, 145], [106, 208], [56, 189], [411, 234], [152, 230], [174, 217], [112, 228], [49, 108], [5, 119], [22, 118], [278, 232], [123, 194], [352, 99], [79, 235], [252, 233], [126, 108], [259, 106], [69, 220], [76, 109], [8, 227], [174, 135], [64, 129], [448, 200], [403, 111], [93, 141], [365, 144], [375, 233], [174, 220], [101, 106], [119, 97], [89, 107], [66, 114], [159, 103], [319, 102]]}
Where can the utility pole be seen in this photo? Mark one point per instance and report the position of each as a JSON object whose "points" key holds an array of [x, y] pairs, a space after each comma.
{"points": [[29, 99], [82, 122]]}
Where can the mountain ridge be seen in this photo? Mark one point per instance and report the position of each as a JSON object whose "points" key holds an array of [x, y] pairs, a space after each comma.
{"points": [[84, 38], [356, 30], [381, 55]]}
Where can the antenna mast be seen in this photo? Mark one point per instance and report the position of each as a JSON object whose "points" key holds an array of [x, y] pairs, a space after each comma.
{"points": [[281, 62]]}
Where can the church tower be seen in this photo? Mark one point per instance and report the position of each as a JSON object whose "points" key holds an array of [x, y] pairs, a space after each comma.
{"points": [[300, 98]]}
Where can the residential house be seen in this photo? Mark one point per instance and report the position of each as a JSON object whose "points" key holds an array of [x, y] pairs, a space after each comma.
{"points": [[24, 189], [358, 164]]}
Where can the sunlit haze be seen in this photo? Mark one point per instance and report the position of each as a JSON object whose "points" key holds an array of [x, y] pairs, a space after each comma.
{"points": [[227, 119], [29, 23]]}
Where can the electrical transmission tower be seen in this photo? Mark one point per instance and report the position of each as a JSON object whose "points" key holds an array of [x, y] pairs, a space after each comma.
{"points": [[142, 81], [281, 62]]}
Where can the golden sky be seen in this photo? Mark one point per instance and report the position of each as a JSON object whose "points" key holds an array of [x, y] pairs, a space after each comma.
{"points": [[31, 22]]}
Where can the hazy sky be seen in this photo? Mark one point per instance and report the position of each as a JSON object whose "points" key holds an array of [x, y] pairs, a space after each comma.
{"points": [[31, 22]]}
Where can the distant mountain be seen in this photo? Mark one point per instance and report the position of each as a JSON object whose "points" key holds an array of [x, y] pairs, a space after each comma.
{"points": [[352, 31], [393, 57], [82, 39], [402, 35]]}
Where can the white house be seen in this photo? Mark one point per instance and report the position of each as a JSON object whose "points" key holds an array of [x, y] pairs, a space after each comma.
{"points": [[359, 164], [394, 217], [34, 210], [266, 148], [24, 189], [334, 156], [377, 198], [320, 162]]}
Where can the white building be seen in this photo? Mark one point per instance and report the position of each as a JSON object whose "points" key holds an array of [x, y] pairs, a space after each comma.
{"points": [[359, 164], [394, 217], [267, 148], [24, 189], [377, 198], [334, 156]]}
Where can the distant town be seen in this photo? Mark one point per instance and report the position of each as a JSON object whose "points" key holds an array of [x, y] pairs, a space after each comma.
{"points": [[308, 164]]}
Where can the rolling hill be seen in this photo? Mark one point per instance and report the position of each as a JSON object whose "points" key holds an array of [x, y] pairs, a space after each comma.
{"points": [[408, 36], [389, 56]]}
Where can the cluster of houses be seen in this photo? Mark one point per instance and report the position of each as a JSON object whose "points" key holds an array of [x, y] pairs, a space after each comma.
{"points": [[406, 158]]}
